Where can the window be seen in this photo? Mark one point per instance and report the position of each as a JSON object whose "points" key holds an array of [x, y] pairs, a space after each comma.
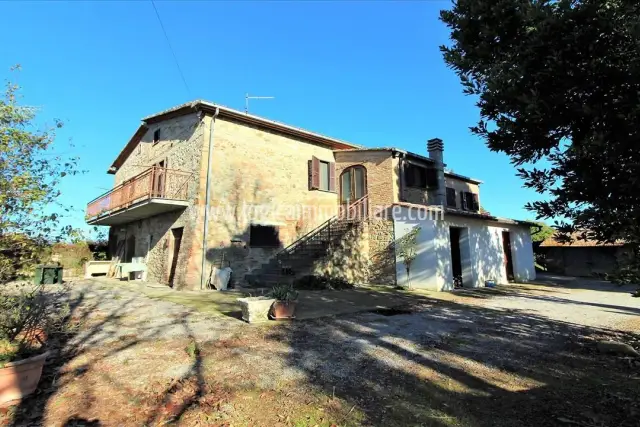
{"points": [[156, 136], [469, 201], [420, 176], [463, 201], [322, 175], [353, 184], [451, 197], [264, 236]]}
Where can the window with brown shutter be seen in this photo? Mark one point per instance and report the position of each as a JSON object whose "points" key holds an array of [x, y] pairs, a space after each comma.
{"points": [[314, 173], [463, 201], [475, 203], [322, 175], [451, 197]]}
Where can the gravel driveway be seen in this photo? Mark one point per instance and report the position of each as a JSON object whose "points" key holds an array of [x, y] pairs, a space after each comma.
{"points": [[514, 355]]}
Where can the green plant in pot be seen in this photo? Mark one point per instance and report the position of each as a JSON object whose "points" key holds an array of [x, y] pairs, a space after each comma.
{"points": [[27, 318], [286, 301]]}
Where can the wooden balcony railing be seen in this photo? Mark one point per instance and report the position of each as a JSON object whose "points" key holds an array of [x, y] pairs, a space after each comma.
{"points": [[155, 182]]}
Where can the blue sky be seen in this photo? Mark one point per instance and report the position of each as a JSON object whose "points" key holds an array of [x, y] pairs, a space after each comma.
{"points": [[366, 72]]}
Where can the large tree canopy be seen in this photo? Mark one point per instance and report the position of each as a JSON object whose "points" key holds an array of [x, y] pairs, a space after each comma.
{"points": [[558, 87]]}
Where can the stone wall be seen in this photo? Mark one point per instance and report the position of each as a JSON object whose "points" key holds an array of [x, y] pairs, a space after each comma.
{"points": [[348, 259], [261, 177], [382, 254], [180, 146]]}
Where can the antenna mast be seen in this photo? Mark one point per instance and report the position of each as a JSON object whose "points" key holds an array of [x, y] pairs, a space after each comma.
{"points": [[247, 98]]}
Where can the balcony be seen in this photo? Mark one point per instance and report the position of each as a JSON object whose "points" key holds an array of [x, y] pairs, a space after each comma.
{"points": [[156, 190]]}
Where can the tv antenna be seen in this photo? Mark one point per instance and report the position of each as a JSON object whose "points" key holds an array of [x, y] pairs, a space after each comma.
{"points": [[247, 98]]}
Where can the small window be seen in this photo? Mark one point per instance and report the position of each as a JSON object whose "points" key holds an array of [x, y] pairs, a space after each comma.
{"points": [[324, 176], [139, 148], [156, 136], [463, 201], [415, 176], [264, 236], [451, 197]]}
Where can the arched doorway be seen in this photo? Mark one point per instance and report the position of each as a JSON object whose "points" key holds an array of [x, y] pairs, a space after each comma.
{"points": [[353, 184]]}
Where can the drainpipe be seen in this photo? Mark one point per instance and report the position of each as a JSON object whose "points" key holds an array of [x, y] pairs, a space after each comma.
{"points": [[203, 277]]}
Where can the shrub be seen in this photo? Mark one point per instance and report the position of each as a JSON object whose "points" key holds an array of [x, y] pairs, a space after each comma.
{"points": [[284, 293], [317, 282], [27, 317]]}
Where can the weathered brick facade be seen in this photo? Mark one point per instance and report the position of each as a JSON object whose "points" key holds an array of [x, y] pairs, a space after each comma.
{"points": [[259, 176], [180, 148]]}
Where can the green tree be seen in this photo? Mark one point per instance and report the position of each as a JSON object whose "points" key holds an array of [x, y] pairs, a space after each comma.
{"points": [[30, 172], [408, 249], [541, 231], [558, 88]]}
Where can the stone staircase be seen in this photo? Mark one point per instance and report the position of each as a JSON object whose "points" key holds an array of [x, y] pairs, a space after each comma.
{"points": [[298, 258]]}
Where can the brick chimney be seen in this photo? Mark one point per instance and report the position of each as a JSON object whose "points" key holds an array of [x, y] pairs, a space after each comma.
{"points": [[435, 147]]}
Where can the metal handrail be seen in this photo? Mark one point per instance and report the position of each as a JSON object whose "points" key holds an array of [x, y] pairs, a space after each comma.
{"points": [[324, 227]]}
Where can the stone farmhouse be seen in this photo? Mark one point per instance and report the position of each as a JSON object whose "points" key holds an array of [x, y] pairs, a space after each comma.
{"points": [[201, 186]]}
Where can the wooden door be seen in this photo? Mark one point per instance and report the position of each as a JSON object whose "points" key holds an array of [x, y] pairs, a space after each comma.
{"points": [[159, 178], [508, 259], [176, 235], [456, 257]]}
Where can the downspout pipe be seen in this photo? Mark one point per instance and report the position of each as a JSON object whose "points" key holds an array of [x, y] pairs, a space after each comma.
{"points": [[207, 201]]}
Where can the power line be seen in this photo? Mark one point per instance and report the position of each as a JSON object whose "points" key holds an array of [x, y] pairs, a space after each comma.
{"points": [[175, 58]]}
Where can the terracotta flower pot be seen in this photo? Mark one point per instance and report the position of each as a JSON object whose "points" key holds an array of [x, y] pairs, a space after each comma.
{"points": [[284, 309], [19, 379]]}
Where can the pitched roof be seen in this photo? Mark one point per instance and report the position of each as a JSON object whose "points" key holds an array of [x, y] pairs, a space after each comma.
{"points": [[225, 112], [576, 242]]}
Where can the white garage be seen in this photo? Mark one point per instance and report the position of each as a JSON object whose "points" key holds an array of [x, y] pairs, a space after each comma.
{"points": [[464, 249]]}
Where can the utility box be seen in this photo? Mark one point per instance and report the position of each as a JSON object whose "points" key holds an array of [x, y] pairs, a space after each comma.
{"points": [[47, 274]]}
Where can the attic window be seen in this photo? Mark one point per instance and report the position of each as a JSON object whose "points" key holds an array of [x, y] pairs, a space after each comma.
{"points": [[156, 136]]}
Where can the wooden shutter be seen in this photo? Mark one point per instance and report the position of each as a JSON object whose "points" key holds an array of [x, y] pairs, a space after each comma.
{"points": [[451, 197], [332, 177], [475, 201], [314, 173], [463, 200], [409, 175]]}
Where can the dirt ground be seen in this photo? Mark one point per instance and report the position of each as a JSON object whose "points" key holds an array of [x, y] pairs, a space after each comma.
{"points": [[514, 355]]}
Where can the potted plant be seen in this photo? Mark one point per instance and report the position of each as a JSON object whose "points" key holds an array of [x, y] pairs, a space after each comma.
{"points": [[255, 309], [286, 299], [26, 319]]}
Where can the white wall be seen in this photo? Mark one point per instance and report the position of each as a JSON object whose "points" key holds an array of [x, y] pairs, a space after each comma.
{"points": [[480, 249]]}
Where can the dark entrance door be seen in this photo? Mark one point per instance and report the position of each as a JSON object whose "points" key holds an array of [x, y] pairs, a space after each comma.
{"points": [[130, 249], [508, 260], [456, 259], [177, 240]]}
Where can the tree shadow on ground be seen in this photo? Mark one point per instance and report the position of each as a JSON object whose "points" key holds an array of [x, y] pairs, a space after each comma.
{"points": [[76, 342], [452, 364]]}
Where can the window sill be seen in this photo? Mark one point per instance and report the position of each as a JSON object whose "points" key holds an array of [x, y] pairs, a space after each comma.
{"points": [[324, 191]]}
